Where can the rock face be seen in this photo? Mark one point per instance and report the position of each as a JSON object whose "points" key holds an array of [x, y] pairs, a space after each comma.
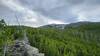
{"points": [[22, 48]]}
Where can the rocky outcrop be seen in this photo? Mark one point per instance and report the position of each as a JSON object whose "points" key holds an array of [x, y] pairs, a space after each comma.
{"points": [[22, 48]]}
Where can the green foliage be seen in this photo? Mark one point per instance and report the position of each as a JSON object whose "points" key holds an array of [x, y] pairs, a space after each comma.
{"points": [[83, 40], [67, 42]]}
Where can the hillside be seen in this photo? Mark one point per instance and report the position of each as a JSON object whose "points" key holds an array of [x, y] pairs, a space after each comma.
{"points": [[77, 39]]}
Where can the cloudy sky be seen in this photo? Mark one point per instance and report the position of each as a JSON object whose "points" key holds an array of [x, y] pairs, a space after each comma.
{"points": [[41, 12]]}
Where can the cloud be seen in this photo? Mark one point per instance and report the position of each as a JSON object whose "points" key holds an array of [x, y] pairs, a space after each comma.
{"points": [[41, 12], [26, 16], [88, 11]]}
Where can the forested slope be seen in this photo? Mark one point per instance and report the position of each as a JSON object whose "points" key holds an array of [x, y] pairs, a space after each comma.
{"points": [[83, 40]]}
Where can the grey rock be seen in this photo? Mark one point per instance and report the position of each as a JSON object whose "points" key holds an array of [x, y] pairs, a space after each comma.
{"points": [[22, 48]]}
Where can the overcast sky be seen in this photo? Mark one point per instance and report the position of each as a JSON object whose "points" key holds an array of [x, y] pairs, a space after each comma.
{"points": [[41, 12]]}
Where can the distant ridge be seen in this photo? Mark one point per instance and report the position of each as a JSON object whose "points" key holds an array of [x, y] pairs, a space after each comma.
{"points": [[63, 26]]}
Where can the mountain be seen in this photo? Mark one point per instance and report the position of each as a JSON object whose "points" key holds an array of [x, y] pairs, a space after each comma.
{"points": [[75, 39], [63, 26], [59, 26]]}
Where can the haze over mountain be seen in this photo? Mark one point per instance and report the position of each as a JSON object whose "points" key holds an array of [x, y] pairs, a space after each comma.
{"points": [[65, 26], [42, 12]]}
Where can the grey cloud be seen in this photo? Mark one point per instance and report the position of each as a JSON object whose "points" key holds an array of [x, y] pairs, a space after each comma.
{"points": [[66, 11], [54, 9], [6, 14], [93, 2], [75, 2]]}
